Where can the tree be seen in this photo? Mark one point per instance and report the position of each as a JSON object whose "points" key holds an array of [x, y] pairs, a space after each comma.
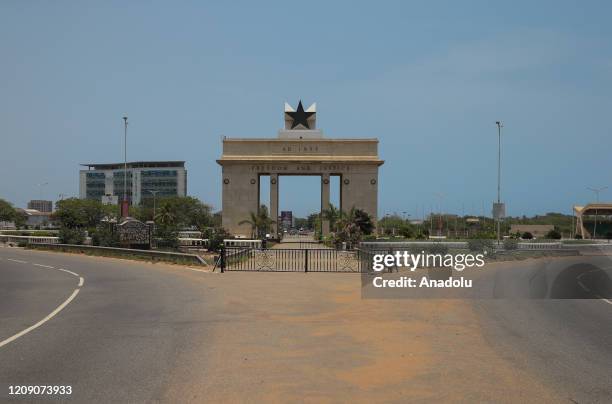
{"points": [[7, 212], [527, 236], [260, 222], [348, 233], [332, 214], [406, 230], [71, 235], [554, 234], [352, 226], [301, 222], [312, 221], [391, 224], [166, 216], [82, 213], [105, 236], [362, 220], [10, 214], [75, 216], [185, 212], [215, 238], [166, 236]]}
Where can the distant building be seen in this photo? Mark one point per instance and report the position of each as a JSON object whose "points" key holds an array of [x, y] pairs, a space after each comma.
{"points": [[286, 219], [36, 218], [594, 220], [103, 182], [537, 230], [41, 205], [7, 225]]}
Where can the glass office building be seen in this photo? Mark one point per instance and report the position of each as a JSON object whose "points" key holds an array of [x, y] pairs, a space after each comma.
{"points": [[144, 178]]}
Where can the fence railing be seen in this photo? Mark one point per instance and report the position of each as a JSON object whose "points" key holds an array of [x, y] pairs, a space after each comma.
{"points": [[382, 245], [291, 260], [9, 238], [148, 255]]}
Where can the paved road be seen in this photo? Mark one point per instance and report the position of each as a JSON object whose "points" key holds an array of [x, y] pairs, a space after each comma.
{"points": [[137, 332], [567, 341], [120, 338]]}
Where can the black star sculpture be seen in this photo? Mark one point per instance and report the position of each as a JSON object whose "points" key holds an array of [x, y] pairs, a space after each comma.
{"points": [[300, 116]]}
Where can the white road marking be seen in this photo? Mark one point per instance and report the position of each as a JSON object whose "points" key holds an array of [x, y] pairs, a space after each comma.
{"points": [[198, 270], [54, 312], [41, 322], [70, 272], [19, 261], [43, 266], [582, 285]]}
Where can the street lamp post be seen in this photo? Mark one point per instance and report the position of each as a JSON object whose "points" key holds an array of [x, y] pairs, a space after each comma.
{"points": [[440, 197], [154, 193], [597, 191], [125, 203], [497, 218]]}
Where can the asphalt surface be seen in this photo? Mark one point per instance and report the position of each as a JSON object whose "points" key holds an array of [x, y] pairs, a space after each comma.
{"points": [[561, 330], [119, 340], [137, 332]]}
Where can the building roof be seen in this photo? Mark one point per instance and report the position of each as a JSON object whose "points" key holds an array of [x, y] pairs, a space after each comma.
{"points": [[33, 212], [598, 208], [134, 164]]}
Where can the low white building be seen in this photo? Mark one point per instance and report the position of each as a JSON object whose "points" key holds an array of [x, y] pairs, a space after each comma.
{"points": [[37, 219]]}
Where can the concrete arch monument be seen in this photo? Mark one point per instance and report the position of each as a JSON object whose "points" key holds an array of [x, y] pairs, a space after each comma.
{"points": [[299, 149]]}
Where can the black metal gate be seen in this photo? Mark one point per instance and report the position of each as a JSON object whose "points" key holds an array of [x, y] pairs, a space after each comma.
{"points": [[293, 260]]}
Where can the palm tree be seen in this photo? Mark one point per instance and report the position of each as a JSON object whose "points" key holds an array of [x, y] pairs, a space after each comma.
{"points": [[260, 222], [351, 226], [253, 221], [332, 215], [165, 216]]}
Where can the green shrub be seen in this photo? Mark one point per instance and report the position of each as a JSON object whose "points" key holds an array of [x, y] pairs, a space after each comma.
{"points": [[511, 244], [478, 244], [215, 238], [553, 234], [104, 236], [69, 235]]}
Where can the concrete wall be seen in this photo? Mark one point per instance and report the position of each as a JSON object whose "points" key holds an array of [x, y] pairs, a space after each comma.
{"points": [[240, 197], [359, 189]]}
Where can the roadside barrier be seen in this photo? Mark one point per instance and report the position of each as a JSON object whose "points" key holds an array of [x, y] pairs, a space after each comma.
{"points": [[147, 255]]}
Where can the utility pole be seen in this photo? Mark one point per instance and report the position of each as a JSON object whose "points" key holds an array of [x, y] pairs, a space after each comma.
{"points": [[125, 204]]}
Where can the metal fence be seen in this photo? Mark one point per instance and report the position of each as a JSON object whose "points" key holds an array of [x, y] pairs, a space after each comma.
{"points": [[294, 260]]}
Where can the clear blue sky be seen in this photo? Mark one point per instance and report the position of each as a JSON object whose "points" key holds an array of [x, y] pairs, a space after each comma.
{"points": [[429, 79]]}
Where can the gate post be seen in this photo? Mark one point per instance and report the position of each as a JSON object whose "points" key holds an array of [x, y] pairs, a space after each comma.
{"points": [[222, 259], [306, 260]]}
